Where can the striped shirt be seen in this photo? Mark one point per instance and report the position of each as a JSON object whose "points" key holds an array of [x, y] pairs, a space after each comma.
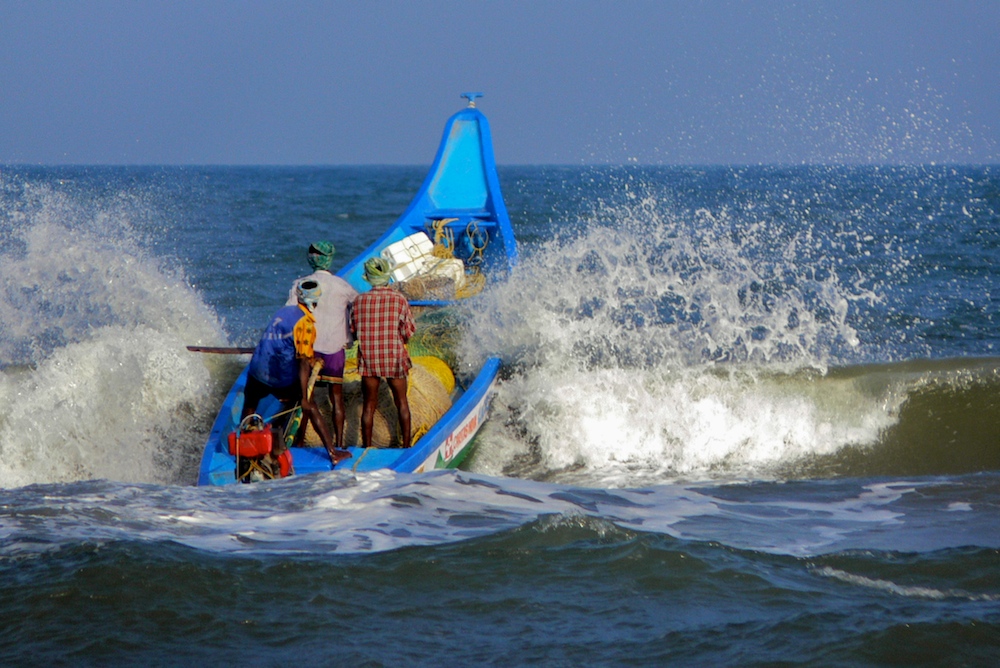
{"points": [[382, 323]]}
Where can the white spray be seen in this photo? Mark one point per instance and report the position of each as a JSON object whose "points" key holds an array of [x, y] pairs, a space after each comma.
{"points": [[95, 381], [647, 348]]}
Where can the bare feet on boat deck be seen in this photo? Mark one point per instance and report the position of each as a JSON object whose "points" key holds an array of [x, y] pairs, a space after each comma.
{"points": [[337, 456]]}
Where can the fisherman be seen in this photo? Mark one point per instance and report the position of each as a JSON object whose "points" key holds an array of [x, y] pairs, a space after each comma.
{"points": [[282, 362], [383, 325], [333, 331]]}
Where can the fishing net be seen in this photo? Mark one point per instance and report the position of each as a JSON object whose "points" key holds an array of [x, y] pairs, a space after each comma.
{"points": [[439, 368], [438, 333], [426, 393], [430, 287]]}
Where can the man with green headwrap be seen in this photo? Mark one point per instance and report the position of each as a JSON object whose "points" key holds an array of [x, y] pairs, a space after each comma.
{"points": [[333, 332], [383, 323]]}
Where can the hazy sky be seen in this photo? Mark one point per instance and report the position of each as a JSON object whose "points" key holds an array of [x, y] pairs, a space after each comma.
{"points": [[363, 81]]}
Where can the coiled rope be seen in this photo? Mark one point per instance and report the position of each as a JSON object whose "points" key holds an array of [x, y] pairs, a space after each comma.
{"points": [[444, 248]]}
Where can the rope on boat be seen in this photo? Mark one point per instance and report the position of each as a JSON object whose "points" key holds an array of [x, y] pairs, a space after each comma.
{"points": [[444, 238], [354, 468], [474, 234], [444, 248], [475, 280]]}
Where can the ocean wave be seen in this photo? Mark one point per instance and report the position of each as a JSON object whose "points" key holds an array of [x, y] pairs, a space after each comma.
{"points": [[909, 591], [95, 381], [341, 513]]}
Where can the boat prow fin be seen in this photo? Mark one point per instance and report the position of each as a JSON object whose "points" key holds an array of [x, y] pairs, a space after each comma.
{"points": [[459, 179]]}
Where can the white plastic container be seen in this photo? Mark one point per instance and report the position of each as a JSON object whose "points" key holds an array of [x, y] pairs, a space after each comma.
{"points": [[408, 257]]}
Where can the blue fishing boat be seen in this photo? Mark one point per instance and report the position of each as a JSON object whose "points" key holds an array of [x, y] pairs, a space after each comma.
{"points": [[458, 207]]}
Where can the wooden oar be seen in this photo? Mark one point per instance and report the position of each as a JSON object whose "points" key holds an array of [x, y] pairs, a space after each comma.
{"points": [[221, 350]]}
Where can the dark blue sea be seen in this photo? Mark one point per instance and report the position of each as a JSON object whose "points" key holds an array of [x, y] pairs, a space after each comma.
{"points": [[748, 416]]}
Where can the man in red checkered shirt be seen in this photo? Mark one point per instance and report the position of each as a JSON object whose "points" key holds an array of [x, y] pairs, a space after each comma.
{"points": [[382, 324]]}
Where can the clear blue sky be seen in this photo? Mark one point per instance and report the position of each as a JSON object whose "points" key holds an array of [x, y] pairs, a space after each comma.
{"points": [[572, 82]]}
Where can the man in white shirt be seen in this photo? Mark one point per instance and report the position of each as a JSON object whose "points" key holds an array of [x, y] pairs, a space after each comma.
{"points": [[333, 331]]}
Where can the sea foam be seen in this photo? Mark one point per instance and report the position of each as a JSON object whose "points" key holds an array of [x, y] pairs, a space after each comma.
{"points": [[95, 381], [660, 343]]}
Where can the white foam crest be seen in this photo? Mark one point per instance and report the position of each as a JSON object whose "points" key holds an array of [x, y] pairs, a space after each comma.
{"points": [[95, 381], [126, 405], [625, 428], [909, 591], [338, 512], [342, 512], [655, 346]]}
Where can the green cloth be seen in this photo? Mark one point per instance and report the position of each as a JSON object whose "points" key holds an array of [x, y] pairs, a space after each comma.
{"points": [[321, 255], [377, 271]]}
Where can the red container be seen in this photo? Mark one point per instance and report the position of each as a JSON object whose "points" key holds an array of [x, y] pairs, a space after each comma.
{"points": [[285, 462], [252, 443]]}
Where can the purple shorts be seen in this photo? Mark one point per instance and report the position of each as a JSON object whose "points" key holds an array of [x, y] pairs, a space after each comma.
{"points": [[333, 367]]}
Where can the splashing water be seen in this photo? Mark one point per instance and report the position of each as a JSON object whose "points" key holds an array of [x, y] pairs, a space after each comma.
{"points": [[656, 345], [94, 378]]}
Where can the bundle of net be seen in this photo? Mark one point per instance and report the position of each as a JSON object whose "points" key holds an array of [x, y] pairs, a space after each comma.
{"points": [[443, 277]]}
